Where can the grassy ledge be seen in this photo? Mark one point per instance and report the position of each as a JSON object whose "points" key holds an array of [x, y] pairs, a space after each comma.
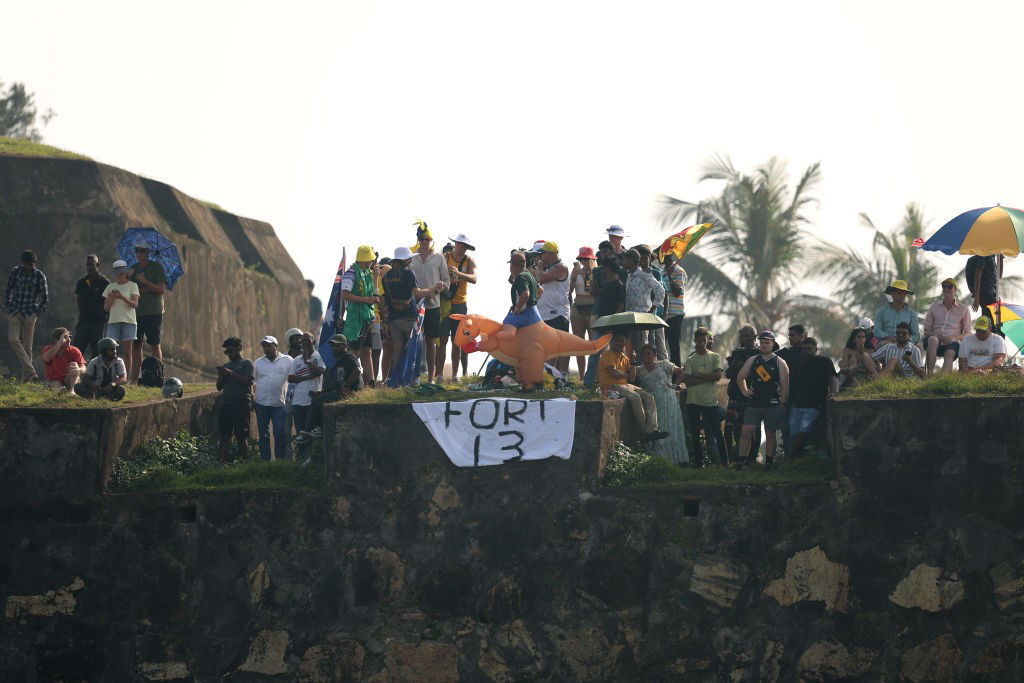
{"points": [[952, 385], [15, 394], [16, 147], [458, 391]]}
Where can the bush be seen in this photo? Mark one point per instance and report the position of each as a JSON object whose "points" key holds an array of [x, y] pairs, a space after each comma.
{"points": [[161, 460], [629, 467]]}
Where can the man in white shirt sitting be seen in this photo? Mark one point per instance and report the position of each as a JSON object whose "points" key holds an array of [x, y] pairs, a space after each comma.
{"points": [[982, 351], [272, 370]]}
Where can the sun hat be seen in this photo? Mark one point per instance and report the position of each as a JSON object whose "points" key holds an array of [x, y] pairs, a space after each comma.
{"points": [[403, 254], [120, 265], [338, 339], [550, 247], [461, 237], [586, 253], [365, 253], [866, 323], [615, 231], [983, 323], [269, 339], [898, 285]]}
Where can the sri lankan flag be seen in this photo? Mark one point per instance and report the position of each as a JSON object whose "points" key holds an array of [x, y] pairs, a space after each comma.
{"points": [[680, 243]]}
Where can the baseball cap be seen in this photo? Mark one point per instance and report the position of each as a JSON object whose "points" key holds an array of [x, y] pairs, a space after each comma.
{"points": [[269, 339], [983, 323], [339, 339], [949, 281], [766, 334], [866, 324], [550, 247], [120, 265]]}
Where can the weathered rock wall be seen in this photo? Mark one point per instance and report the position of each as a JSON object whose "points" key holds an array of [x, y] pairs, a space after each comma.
{"points": [[909, 566], [239, 279]]}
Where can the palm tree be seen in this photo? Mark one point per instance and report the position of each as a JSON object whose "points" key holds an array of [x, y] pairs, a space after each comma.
{"points": [[749, 263]]}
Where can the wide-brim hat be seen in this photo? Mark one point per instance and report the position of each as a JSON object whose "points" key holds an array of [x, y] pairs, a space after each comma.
{"points": [[403, 254], [366, 253], [586, 253], [461, 237], [898, 286], [615, 231]]}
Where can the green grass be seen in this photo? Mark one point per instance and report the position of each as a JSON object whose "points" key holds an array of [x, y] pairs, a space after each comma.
{"points": [[15, 394], [951, 385], [457, 391], [27, 148], [247, 476], [211, 205]]}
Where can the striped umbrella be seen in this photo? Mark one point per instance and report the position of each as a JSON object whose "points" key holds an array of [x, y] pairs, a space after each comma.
{"points": [[985, 231], [1012, 323]]}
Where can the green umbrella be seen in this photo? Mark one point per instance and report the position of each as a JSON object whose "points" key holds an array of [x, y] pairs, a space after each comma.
{"points": [[623, 322]]}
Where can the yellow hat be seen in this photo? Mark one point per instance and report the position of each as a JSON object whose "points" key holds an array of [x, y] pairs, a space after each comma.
{"points": [[898, 285], [365, 253], [982, 323], [949, 281], [550, 247]]}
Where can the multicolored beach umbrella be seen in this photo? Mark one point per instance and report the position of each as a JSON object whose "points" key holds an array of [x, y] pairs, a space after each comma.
{"points": [[987, 231], [1013, 323], [680, 243]]}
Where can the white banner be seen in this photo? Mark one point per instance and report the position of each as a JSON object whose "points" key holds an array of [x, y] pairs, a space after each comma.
{"points": [[494, 431]]}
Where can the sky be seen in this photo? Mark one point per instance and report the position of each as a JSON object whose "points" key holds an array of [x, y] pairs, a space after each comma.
{"points": [[342, 122]]}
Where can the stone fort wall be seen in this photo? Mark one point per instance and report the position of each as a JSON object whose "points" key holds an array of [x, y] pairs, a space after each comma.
{"points": [[239, 279]]}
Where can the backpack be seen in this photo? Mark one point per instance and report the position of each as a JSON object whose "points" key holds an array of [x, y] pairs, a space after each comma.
{"points": [[151, 373]]}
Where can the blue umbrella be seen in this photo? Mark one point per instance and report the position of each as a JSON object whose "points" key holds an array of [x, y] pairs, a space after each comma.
{"points": [[164, 251]]}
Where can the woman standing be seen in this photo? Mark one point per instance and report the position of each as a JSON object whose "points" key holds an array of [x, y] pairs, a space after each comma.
{"points": [[659, 378], [582, 298], [121, 298]]}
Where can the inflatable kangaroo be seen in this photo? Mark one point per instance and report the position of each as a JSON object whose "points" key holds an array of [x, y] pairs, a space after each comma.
{"points": [[527, 349]]}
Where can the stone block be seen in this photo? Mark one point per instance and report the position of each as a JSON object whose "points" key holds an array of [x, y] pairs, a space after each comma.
{"points": [[829, 661], [718, 579], [928, 588], [810, 575], [266, 654], [935, 660]]}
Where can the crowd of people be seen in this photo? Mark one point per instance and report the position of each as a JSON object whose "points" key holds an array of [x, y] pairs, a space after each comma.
{"points": [[780, 389]]}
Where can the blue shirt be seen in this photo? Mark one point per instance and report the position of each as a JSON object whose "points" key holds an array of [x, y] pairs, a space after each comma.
{"points": [[888, 318]]}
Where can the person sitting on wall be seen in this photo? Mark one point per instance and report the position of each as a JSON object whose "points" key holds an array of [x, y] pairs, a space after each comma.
{"points": [[947, 322], [340, 381], [901, 358], [983, 351], [616, 376], [63, 363], [105, 376], [892, 314], [235, 379], [856, 365]]}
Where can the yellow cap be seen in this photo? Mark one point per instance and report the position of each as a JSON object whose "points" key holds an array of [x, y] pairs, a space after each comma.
{"points": [[949, 281], [551, 247], [365, 253], [982, 323]]}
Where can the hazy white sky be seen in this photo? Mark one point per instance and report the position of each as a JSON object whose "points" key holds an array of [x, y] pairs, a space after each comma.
{"points": [[341, 122]]}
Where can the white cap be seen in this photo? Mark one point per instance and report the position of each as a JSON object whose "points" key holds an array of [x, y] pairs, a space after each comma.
{"points": [[537, 247], [120, 264], [291, 333], [461, 237], [269, 340], [865, 324], [403, 253], [616, 231]]}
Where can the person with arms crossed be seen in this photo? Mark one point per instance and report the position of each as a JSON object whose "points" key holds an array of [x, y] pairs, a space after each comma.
{"points": [[92, 316], [235, 380]]}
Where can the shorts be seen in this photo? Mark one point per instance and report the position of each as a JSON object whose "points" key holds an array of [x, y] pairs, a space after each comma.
{"points": [[234, 419], [121, 331], [400, 329], [375, 339], [951, 346], [559, 323], [528, 317], [801, 420], [149, 325], [773, 416], [432, 323], [448, 326], [734, 413]]}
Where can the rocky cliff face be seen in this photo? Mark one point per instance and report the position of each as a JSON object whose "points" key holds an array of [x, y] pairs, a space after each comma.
{"points": [[908, 566], [239, 278]]}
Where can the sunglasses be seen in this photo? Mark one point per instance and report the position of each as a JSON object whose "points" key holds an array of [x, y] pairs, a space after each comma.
{"points": [[948, 287]]}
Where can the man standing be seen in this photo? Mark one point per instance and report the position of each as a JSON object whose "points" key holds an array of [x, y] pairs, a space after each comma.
{"points": [[701, 374], [316, 312], [149, 276], [894, 313], [983, 273], [792, 353], [307, 377], [616, 374], [359, 290], [92, 318], [105, 376], [553, 303], [814, 381], [615, 236], [643, 293], [430, 269], [675, 312], [983, 351], [400, 295], [738, 403], [655, 336], [235, 379], [271, 372], [25, 298], [768, 393], [900, 358], [461, 273], [945, 324], [63, 363]]}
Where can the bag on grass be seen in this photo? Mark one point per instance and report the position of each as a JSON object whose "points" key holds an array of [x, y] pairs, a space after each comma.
{"points": [[151, 373]]}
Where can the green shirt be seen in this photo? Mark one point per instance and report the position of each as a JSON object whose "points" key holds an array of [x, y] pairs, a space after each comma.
{"points": [[705, 394], [149, 303]]}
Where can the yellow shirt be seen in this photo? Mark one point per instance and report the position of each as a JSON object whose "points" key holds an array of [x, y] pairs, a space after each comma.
{"points": [[460, 292], [617, 360]]}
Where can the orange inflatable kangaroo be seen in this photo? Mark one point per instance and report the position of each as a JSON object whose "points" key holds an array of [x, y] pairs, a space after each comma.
{"points": [[527, 350]]}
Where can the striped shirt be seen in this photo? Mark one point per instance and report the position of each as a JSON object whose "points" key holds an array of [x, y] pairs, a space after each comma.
{"points": [[676, 276], [890, 351]]}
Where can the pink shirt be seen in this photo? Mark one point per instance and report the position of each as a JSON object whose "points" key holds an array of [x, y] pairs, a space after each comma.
{"points": [[948, 324]]}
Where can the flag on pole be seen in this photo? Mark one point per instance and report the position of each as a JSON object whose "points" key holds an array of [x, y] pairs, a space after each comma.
{"points": [[407, 369], [680, 243], [334, 317]]}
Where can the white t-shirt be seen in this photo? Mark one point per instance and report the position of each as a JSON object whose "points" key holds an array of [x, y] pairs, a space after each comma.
{"points": [[300, 393], [272, 379], [979, 352], [121, 312]]}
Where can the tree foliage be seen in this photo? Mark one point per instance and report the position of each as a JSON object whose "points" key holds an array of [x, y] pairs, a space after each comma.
{"points": [[18, 113]]}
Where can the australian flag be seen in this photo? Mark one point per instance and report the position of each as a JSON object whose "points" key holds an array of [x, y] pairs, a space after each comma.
{"points": [[407, 369], [334, 316]]}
